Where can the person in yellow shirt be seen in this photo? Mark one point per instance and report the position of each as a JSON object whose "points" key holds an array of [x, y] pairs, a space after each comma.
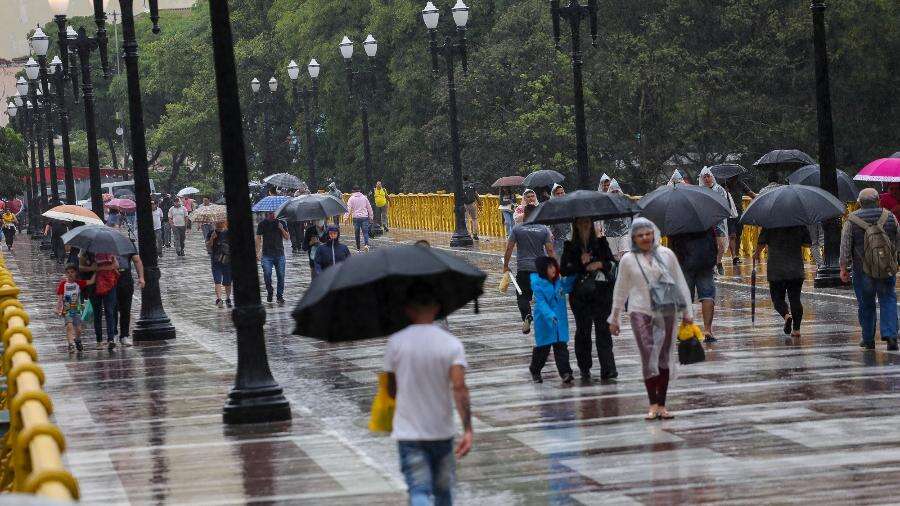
{"points": [[381, 201], [9, 227]]}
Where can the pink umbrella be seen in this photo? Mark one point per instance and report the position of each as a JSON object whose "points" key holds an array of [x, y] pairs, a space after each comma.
{"points": [[886, 170], [126, 205]]}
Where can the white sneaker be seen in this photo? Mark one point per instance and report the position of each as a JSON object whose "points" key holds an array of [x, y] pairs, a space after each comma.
{"points": [[367, 248]]}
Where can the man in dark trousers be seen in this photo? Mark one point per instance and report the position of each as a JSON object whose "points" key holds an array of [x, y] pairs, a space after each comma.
{"points": [[530, 240]]}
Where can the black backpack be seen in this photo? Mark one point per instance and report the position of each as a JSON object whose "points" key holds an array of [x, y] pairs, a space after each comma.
{"points": [[469, 194]]}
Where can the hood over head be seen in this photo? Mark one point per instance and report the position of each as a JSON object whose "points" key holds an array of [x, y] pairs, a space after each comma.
{"points": [[642, 223], [604, 177], [614, 187], [704, 172]]}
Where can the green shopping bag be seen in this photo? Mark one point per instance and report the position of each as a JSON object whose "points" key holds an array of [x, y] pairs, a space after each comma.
{"points": [[87, 313]]}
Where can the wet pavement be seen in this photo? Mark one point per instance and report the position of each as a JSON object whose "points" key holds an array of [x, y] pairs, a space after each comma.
{"points": [[764, 420]]}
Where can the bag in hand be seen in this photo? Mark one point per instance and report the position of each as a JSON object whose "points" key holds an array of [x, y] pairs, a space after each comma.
{"points": [[504, 282], [382, 418], [690, 347]]}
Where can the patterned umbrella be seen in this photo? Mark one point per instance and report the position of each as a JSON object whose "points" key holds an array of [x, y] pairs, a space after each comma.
{"points": [[190, 190], [212, 213], [284, 180], [270, 204], [72, 213]]}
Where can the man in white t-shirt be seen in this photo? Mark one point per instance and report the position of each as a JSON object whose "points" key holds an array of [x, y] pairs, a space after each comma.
{"points": [[425, 364], [157, 227], [178, 218]]}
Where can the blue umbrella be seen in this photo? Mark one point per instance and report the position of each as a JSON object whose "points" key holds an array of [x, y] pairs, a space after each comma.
{"points": [[270, 204]]}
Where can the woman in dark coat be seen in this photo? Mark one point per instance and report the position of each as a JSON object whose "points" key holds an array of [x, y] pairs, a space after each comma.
{"points": [[589, 259]]}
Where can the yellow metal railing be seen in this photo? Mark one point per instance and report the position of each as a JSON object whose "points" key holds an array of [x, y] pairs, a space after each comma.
{"points": [[31, 451]]}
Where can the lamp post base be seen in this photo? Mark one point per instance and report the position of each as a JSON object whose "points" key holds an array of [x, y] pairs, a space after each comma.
{"points": [[461, 239], [828, 276], [256, 405], [153, 329]]}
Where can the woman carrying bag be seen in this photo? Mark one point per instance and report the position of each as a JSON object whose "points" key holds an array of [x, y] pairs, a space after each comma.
{"points": [[590, 261], [650, 280]]}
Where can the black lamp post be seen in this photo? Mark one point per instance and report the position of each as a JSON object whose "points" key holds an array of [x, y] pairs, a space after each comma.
{"points": [[57, 69], [72, 52], [84, 45], [371, 47], [574, 12], [829, 273], [18, 122], [264, 104], [35, 96], [256, 397], [450, 50], [40, 43], [310, 98]]}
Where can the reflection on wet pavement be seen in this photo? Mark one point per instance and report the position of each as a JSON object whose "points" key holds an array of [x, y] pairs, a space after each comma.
{"points": [[764, 420]]}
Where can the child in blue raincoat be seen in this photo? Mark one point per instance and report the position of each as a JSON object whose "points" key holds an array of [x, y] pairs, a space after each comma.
{"points": [[551, 320]]}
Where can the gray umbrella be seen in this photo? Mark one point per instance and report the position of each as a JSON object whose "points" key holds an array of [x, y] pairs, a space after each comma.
{"points": [[811, 176], [683, 208], [792, 205], [284, 180], [583, 204], [784, 159], [896, 155], [317, 206], [98, 239], [725, 171], [540, 178]]}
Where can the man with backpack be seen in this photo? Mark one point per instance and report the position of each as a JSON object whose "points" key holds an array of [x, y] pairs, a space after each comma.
{"points": [[869, 243], [697, 254], [471, 204]]}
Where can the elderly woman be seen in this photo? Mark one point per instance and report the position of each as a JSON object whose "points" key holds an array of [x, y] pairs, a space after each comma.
{"points": [[562, 232], [616, 229], [648, 264], [708, 180]]}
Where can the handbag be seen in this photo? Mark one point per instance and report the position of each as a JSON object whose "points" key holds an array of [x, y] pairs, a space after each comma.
{"points": [[690, 348], [665, 297], [383, 405]]}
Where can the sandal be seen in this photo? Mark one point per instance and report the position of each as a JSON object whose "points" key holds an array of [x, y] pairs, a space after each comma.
{"points": [[652, 415], [665, 415]]}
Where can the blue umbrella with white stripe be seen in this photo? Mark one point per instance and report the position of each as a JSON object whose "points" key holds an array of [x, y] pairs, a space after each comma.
{"points": [[270, 204]]}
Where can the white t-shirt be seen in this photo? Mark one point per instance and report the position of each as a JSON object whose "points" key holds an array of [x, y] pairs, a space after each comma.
{"points": [[420, 356], [178, 216], [157, 219]]}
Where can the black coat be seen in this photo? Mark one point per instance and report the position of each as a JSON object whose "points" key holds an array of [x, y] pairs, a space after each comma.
{"points": [[571, 266]]}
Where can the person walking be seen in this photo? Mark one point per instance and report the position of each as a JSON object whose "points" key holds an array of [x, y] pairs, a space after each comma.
{"points": [[270, 237], [334, 192], [471, 204], [551, 320], [605, 183], [785, 271], [697, 253], [530, 240], [737, 188], [360, 210], [588, 259], [206, 228], [103, 297], [426, 368], [869, 244], [10, 227], [219, 247], [529, 198], [313, 237], [380, 194], [651, 265], [616, 229], [157, 215], [507, 208], [332, 252], [165, 205], [562, 232], [708, 180], [178, 220], [125, 292]]}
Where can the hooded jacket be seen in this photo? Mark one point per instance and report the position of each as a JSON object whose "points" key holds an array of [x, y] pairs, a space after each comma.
{"points": [[561, 231], [551, 320], [358, 206], [330, 253], [716, 187]]}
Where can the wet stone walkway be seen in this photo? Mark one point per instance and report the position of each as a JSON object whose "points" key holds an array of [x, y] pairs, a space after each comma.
{"points": [[763, 420]]}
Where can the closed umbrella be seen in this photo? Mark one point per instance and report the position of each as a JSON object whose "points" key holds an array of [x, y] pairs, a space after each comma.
{"points": [[508, 181], [284, 180], [212, 213], [270, 204], [583, 204], [683, 208], [318, 206], [792, 205], [811, 176], [190, 190], [725, 171], [99, 239], [364, 296], [784, 159], [70, 213], [544, 177], [753, 293], [886, 170]]}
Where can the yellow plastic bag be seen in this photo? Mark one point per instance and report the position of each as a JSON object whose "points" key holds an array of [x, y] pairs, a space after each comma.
{"points": [[686, 332], [504, 282], [382, 419]]}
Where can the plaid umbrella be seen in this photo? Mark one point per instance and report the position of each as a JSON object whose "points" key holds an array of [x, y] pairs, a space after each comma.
{"points": [[270, 204], [212, 213]]}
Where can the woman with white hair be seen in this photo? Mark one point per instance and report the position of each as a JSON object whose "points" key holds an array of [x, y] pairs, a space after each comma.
{"points": [[651, 266], [708, 180]]}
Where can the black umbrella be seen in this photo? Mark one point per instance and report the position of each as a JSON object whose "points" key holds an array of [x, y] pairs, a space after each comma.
{"points": [[811, 176], [284, 180], [725, 171], [316, 206], [792, 205], [364, 296], [583, 204], [540, 178], [683, 208], [784, 159], [98, 239]]}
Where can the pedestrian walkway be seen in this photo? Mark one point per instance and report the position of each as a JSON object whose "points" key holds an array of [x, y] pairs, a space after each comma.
{"points": [[763, 420]]}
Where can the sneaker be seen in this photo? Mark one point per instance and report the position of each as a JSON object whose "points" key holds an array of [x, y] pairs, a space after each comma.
{"points": [[568, 379], [71, 347], [99, 345], [736, 261], [280, 300], [475, 238], [124, 341], [227, 302], [536, 377], [610, 375], [892, 344], [218, 302], [79, 345], [720, 269], [526, 324], [867, 346], [366, 248], [111, 345], [269, 296], [710, 339], [585, 375]]}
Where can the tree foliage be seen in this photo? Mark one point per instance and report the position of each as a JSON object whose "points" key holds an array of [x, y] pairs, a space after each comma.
{"points": [[12, 163]]}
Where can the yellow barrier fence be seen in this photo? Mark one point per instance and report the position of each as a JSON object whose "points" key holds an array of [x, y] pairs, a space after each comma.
{"points": [[31, 451]]}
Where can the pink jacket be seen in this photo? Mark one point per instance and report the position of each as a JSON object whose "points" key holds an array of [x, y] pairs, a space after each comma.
{"points": [[359, 207]]}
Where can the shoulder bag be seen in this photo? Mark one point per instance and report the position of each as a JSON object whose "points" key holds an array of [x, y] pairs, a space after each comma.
{"points": [[665, 298]]}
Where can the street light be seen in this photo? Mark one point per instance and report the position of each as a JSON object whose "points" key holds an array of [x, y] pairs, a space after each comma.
{"points": [[40, 43], [310, 115], [34, 211], [264, 104], [57, 69], [256, 397], [71, 37], [273, 85], [84, 45], [450, 50], [12, 109], [371, 48], [574, 12], [59, 8], [32, 71]]}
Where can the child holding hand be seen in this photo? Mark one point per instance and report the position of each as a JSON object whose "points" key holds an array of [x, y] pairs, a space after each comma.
{"points": [[69, 305]]}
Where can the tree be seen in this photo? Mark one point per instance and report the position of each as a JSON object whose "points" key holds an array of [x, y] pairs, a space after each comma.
{"points": [[12, 163]]}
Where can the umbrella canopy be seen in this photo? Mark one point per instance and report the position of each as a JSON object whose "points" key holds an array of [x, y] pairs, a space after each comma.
{"points": [[72, 213], [14, 205], [886, 170], [508, 181], [317, 206], [126, 205], [811, 176], [190, 190], [270, 204], [98, 239], [792, 205], [725, 171], [896, 155], [583, 204], [784, 159], [683, 208], [540, 178], [373, 289], [284, 180], [212, 213]]}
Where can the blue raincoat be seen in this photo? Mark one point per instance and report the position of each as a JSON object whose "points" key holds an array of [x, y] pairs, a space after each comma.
{"points": [[550, 303]]}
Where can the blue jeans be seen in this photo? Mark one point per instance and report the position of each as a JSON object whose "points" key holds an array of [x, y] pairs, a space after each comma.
{"points": [[508, 221], [429, 468], [106, 306], [279, 263], [221, 273], [867, 289], [363, 224]]}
